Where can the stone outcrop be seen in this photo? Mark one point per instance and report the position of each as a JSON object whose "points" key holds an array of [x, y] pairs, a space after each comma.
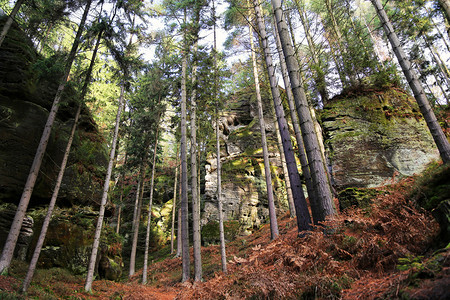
{"points": [[28, 85], [244, 193], [373, 136]]}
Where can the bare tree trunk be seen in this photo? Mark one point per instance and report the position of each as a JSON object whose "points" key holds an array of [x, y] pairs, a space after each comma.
{"points": [[11, 240], [318, 72], [290, 198], [295, 122], [301, 208], [194, 179], [428, 114], [219, 163], [41, 239], [147, 237], [179, 244], [98, 229], [137, 218], [262, 125], [10, 20], [174, 204], [184, 184], [325, 205]]}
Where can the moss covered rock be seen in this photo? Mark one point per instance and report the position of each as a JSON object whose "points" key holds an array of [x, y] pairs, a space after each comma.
{"points": [[68, 243], [244, 192], [374, 135], [28, 84]]}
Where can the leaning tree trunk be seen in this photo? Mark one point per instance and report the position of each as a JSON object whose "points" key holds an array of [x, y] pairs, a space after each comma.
{"points": [[425, 108], [98, 229], [325, 205], [296, 124], [147, 237], [40, 242], [184, 184], [262, 125], [10, 20], [11, 240], [301, 208]]}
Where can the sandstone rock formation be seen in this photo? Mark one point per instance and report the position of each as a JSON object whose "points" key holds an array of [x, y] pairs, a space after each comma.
{"points": [[373, 136], [244, 193]]}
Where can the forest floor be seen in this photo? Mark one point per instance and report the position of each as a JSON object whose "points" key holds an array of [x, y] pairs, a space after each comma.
{"points": [[387, 250]]}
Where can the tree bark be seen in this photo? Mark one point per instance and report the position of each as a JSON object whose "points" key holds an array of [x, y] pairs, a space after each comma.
{"points": [[425, 108], [325, 205], [184, 184], [98, 229], [262, 125], [303, 217], [136, 218], [11, 240], [10, 20], [174, 203], [295, 122], [223, 255], [196, 237], [147, 237]]}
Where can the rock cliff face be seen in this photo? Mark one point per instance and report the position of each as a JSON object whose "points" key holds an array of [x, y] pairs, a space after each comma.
{"points": [[373, 136], [26, 95], [244, 193], [28, 84]]}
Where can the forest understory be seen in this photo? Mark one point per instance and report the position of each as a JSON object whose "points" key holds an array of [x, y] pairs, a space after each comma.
{"points": [[390, 249]]}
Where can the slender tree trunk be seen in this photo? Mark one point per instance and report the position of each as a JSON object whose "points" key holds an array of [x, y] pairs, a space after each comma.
{"points": [[98, 229], [175, 191], [325, 205], [10, 20], [147, 237], [290, 198], [179, 239], [184, 184], [319, 74], [119, 215], [303, 217], [37, 251], [10, 244], [194, 179], [137, 218], [428, 114], [219, 163], [272, 213], [295, 122]]}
